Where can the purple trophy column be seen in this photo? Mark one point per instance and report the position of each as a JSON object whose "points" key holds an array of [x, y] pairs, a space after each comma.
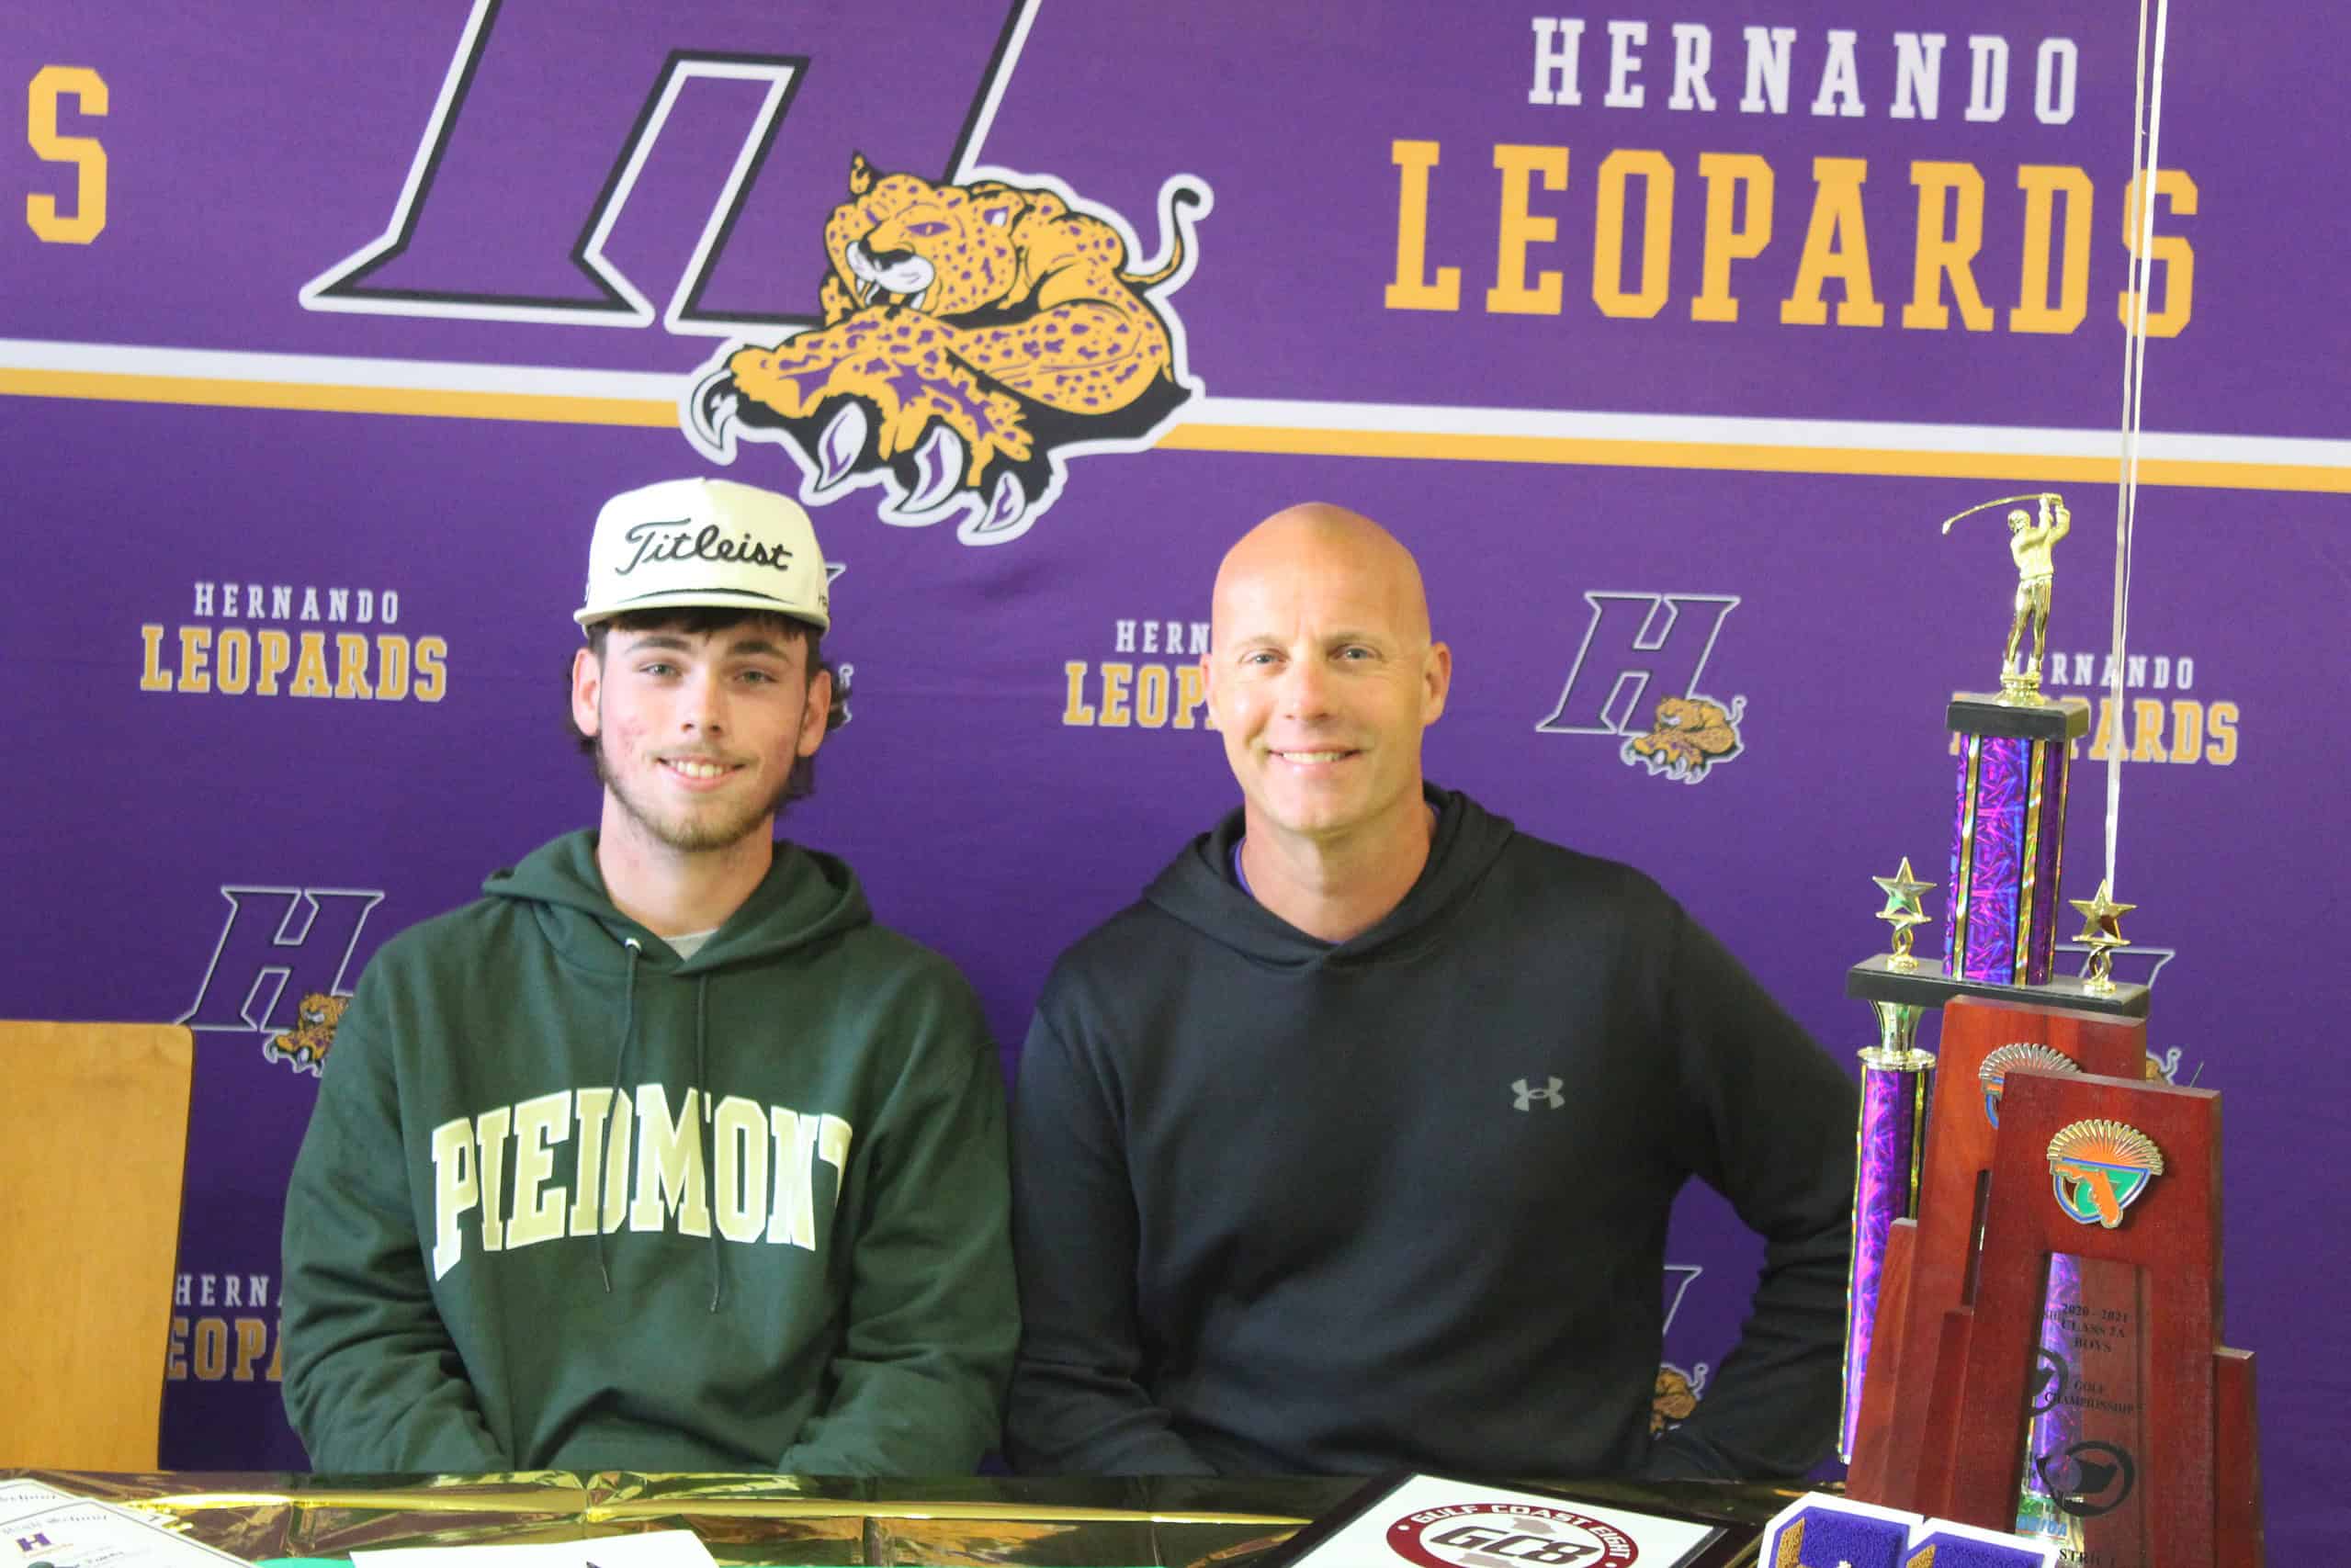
{"points": [[1895, 1081]]}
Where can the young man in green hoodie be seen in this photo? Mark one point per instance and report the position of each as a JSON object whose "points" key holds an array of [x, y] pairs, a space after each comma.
{"points": [[661, 1156], [1352, 1144]]}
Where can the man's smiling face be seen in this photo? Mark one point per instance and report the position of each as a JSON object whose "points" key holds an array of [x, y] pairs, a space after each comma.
{"points": [[696, 732], [1322, 676]]}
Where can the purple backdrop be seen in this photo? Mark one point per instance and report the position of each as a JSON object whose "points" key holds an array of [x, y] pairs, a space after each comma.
{"points": [[378, 313]]}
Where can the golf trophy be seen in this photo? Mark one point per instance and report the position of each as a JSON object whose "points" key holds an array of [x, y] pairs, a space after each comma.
{"points": [[2033, 1303]]}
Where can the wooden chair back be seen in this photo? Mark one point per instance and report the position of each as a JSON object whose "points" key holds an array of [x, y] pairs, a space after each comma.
{"points": [[92, 1154]]}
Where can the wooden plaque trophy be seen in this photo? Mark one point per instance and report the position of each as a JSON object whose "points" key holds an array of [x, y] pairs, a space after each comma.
{"points": [[2033, 1312]]}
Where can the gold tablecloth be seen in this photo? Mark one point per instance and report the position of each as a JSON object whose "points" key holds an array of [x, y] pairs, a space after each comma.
{"points": [[787, 1521]]}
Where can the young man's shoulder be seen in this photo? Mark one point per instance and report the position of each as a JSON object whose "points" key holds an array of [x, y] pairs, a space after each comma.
{"points": [[471, 931], [896, 962]]}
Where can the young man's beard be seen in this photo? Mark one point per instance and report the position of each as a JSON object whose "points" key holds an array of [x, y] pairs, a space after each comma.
{"points": [[694, 834]]}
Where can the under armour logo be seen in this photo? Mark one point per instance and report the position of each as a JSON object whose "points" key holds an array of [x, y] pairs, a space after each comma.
{"points": [[1528, 1094]]}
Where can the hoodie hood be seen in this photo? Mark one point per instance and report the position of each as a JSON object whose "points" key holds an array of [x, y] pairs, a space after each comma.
{"points": [[806, 897], [1200, 890]]}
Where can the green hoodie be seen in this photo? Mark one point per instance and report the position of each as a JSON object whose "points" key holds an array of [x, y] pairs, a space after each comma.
{"points": [[780, 1247]]}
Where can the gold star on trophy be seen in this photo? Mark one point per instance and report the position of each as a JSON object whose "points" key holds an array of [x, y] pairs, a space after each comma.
{"points": [[1902, 911], [2102, 931]]}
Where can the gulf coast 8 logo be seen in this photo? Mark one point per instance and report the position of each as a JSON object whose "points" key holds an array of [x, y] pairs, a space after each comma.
{"points": [[1477, 1535]]}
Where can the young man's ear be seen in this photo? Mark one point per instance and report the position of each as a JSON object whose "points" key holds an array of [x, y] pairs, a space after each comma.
{"points": [[587, 682], [816, 714]]}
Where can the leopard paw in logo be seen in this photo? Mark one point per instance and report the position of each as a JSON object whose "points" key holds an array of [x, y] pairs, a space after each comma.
{"points": [[1689, 737], [974, 336], [306, 1045]]}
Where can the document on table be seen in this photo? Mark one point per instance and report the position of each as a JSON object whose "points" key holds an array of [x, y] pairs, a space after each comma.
{"points": [[43, 1528], [655, 1549], [22, 1497], [26, 1495]]}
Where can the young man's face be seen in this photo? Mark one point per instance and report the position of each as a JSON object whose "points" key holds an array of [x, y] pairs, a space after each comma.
{"points": [[696, 732]]}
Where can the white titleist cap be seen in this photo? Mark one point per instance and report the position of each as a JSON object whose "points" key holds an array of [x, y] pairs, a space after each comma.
{"points": [[694, 542]]}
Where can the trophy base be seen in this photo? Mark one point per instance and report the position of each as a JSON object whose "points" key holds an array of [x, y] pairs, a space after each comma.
{"points": [[1875, 979], [1984, 713]]}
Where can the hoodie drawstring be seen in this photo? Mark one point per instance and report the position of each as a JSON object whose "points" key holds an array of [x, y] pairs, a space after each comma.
{"points": [[612, 1109], [702, 1098]]}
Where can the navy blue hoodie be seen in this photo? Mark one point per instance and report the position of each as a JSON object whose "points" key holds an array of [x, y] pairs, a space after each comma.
{"points": [[1286, 1205]]}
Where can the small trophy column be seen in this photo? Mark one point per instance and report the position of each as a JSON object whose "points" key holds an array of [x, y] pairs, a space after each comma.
{"points": [[1896, 1080]]}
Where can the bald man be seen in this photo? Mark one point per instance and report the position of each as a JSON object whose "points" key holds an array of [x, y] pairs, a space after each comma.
{"points": [[1352, 1144]]}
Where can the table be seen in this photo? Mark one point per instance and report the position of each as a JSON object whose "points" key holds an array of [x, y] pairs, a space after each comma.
{"points": [[767, 1522]]}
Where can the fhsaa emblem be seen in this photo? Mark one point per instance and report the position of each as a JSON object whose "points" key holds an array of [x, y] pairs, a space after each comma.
{"points": [[1999, 1063], [1527, 1094], [2100, 1168]]}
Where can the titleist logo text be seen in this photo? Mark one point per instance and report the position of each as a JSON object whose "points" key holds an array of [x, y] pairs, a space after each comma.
{"points": [[705, 544]]}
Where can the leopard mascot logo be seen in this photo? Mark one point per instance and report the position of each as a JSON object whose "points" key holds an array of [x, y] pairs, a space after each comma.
{"points": [[974, 336], [1690, 737], [1676, 1396], [305, 1045]]}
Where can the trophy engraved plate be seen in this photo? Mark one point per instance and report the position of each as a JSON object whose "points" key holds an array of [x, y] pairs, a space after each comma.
{"points": [[2085, 1426]]}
